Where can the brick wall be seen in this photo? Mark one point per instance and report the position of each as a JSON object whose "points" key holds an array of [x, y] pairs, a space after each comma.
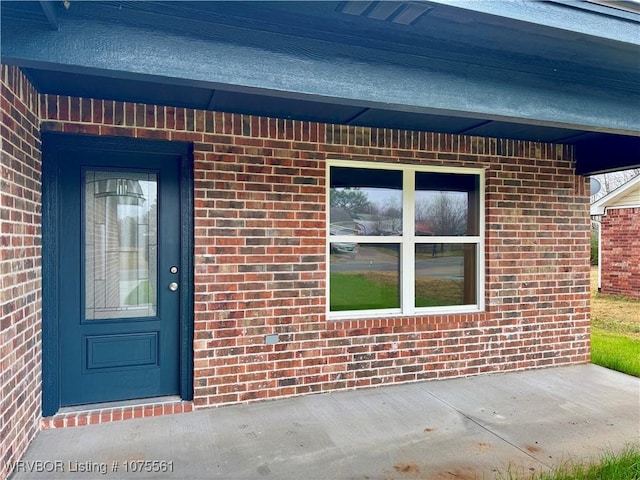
{"points": [[620, 250], [260, 267], [20, 284]]}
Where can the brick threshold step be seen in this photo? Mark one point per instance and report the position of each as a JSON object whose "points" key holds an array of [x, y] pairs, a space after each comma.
{"points": [[96, 413]]}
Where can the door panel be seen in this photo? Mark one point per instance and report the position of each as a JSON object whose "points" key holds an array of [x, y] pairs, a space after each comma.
{"points": [[133, 349], [119, 218]]}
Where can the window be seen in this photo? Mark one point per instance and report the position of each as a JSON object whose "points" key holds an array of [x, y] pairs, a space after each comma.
{"points": [[404, 239]]}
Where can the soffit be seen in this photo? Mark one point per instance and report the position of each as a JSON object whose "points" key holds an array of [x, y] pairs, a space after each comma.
{"points": [[445, 70]]}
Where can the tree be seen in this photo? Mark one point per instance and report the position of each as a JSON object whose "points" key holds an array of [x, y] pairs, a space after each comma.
{"points": [[389, 218], [610, 181], [353, 200], [446, 212]]}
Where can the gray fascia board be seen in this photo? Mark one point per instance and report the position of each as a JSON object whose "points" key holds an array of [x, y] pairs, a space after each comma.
{"points": [[323, 71], [563, 15]]}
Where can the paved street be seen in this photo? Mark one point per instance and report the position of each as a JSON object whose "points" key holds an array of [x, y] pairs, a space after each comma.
{"points": [[448, 267]]}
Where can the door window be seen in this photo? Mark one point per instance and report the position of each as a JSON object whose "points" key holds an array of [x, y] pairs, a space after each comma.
{"points": [[120, 244]]}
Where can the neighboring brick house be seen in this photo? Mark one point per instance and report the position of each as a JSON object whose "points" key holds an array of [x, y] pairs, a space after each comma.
{"points": [[619, 246], [167, 198]]}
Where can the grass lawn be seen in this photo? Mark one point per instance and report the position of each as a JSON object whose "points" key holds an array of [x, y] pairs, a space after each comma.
{"points": [[140, 295], [615, 330], [362, 291], [621, 466], [615, 351], [369, 290]]}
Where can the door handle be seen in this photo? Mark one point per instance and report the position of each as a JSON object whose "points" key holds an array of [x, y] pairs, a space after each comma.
{"points": [[173, 286]]}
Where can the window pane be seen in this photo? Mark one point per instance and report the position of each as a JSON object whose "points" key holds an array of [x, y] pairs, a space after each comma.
{"points": [[364, 276], [445, 274], [365, 201], [447, 204], [120, 247]]}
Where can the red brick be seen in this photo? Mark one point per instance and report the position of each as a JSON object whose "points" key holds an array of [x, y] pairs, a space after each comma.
{"points": [[620, 252], [20, 263]]}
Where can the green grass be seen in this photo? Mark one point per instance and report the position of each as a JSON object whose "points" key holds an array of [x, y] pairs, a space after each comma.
{"points": [[370, 290], [615, 330], [615, 351], [438, 292], [141, 295], [621, 466], [359, 292]]}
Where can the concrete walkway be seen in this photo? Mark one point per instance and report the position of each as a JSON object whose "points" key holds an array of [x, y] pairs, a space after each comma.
{"points": [[453, 429]]}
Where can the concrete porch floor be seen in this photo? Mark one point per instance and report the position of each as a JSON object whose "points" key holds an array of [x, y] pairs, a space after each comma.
{"points": [[451, 429]]}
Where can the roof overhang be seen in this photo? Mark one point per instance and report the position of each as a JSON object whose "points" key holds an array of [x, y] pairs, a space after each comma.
{"points": [[539, 71]]}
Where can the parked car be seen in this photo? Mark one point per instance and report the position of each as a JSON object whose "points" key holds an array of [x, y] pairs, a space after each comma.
{"points": [[344, 248]]}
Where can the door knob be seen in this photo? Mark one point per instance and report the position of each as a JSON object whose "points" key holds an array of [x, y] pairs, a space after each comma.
{"points": [[173, 286]]}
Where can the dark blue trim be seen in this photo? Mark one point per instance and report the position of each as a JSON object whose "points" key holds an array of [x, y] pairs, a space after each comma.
{"points": [[609, 155], [187, 274], [50, 241], [52, 143]]}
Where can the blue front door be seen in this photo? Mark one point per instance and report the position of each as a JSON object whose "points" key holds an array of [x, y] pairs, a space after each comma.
{"points": [[118, 275]]}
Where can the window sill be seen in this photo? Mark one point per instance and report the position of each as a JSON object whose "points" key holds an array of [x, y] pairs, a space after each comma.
{"points": [[419, 312]]}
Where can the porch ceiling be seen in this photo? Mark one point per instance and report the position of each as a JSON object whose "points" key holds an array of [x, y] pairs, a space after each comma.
{"points": [[549, 71]]}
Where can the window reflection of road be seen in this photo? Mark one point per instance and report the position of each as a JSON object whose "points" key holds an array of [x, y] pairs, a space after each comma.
{"points": [[449, 267]]}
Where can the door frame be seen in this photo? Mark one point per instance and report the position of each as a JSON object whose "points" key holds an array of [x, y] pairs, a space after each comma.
{"points": [[53, 144]]}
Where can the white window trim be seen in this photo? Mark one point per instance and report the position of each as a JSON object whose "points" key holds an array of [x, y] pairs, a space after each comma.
{"points": [[407, 255]]}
